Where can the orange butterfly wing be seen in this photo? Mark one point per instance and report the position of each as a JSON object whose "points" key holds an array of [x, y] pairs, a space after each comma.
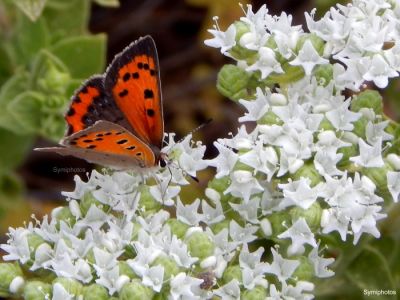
{"points": [[108, 144], [133, 81], [90, 104]]}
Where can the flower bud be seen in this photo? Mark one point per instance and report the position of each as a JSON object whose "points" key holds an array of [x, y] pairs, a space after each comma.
{"points": [[232, 272], [323, 74], [8, 272], [347, 153], [278, 221], [232, 82], [135, 290], [95, 292], [308, 171], [220, 184], [305, 270], [326, 125], [359, 127], [200, 245], [312, 215], [37, 290], [54, 79], [64, 214], [368, 99], [177, 227], [72, 286], [379, 177], [170, 266], [270, 118], [243, 36], [147, 204], [125, 269], [256, 293], [266, 227], [394, 161]]}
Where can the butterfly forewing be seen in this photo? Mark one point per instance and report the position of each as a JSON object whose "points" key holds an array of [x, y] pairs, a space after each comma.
{"points": [[90, 104], [133, 81]]}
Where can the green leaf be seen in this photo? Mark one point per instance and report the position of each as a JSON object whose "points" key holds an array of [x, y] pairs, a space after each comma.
{"points": [[14, 86], [26, 109], [67, 18], [31, 8], [364, 269], [30, 38], [13, 150], [6, 67], [110, 3], [83, 55]]}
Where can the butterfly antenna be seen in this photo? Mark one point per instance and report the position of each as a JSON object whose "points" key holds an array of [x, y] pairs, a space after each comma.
{"points": [[196, 129]]}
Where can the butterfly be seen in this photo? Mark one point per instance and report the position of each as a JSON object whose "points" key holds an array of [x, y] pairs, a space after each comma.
{"points": [[116, 119]]}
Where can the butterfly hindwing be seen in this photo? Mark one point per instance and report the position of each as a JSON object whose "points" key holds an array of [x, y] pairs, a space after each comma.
{"points": [[108, 144], [90, 104], [133, 81]]}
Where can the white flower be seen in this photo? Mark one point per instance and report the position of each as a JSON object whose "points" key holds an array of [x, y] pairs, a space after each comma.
{"points": [[266, 63], [225, 161], [379, 71], [17, 245], [178, 250], [262, 159], [256, 108], [224, 40], [280, 267], [248, 211], [153, 277], [308, 58], [229, 291], [163, 192], [189, 214], [242, 234], [320, 264], [94, 218], [325, 163], [60, 293], [376, 132], [212, 215], [243, 185], [300, 234], [298, 193], [182, 287], [370, 156], [393, 179], [342, 118]]}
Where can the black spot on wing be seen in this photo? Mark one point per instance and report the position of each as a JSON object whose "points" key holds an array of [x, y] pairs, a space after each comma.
{"points": [[150, 112], [123, 93], [148, 94], [120, 142]]}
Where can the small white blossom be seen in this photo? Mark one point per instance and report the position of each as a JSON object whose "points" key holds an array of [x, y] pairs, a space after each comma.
{"points": [[308, 58], [300, 234]]}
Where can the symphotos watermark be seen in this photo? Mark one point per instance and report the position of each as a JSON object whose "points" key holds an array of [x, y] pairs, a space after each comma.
{"points": [[59, 170], [379, 292]]}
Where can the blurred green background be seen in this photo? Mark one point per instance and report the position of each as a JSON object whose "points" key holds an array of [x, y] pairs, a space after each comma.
{"points": [[48, 47]]}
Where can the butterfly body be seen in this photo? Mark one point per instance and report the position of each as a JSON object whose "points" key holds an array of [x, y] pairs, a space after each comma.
{"points": [[116, 119]]}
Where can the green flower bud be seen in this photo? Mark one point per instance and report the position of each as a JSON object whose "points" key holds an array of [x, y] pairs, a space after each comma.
{"points": [[232, 82], [72, 286], [368, 99], [95, 292], [238, 51], [379, 177], [312, 215], [317, 42], [305, 271], [258, 292], [291, 74], [34, 242], [200, 245], [125, 269], [326, 125], [220, 184], [170, 266], [8, 271], [147, 204], [64, 214], [177, 228], [309, 171], [37, 290], [232, 272], [359, 127], [347, 153], [278, 220], [270, 119], [324, 74], [135, 290]]}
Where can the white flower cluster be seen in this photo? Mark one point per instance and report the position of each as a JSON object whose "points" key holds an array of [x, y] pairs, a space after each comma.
{"points": [[314, 164]]}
